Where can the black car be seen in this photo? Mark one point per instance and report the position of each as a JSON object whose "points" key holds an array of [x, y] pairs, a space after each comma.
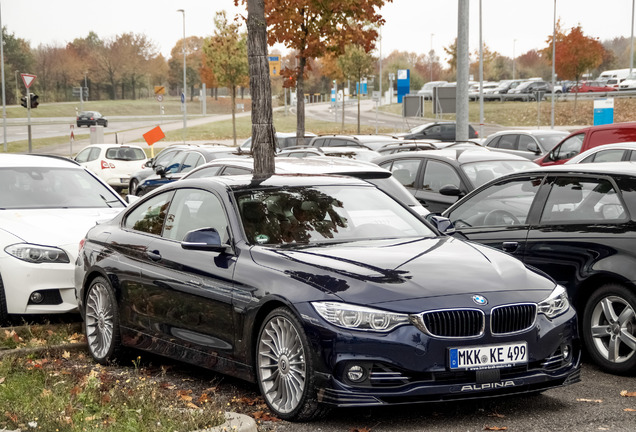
{"points": [[578, 224], [437, 178], [323, 290], [442, 131], [530, 143], [531, 91], [91, 118], [179, 163]]}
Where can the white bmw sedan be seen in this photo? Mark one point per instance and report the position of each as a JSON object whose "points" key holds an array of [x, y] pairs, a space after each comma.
{"points": [[47, 204]]}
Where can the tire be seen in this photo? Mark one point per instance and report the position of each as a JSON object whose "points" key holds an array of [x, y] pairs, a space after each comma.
{"points": [[609, 328], [106, 123], [132, 186], [101, 322], [4, 316], [284, 368]]}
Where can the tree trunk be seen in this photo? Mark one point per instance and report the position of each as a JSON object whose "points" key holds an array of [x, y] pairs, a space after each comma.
{"points": [[300, 102], [263, 136], [234, 114]]}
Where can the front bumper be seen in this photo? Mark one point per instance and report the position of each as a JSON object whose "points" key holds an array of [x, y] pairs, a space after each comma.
{"points": [[407, 366]]}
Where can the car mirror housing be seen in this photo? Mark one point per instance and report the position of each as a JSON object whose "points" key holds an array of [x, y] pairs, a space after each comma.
{"points": [[206, 239], [450, 190], [534, 148], [160, 170], [443, 224]]}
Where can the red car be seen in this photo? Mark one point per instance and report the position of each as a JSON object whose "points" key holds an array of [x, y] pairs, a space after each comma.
{"points": [[592, 86]]}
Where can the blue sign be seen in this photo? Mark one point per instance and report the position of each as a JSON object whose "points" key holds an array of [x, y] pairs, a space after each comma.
{"points": [[403, 83], [333, 95], [182, 98], [603, 111]]}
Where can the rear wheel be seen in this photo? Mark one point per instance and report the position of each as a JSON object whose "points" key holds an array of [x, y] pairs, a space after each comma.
{"points": [[284, 367], [132, 187], [101, 322], [3, 304], [609, 328]]}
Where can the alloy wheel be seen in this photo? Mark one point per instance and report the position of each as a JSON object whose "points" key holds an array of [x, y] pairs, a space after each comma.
{"points": [[613, 329], [100, 320]]}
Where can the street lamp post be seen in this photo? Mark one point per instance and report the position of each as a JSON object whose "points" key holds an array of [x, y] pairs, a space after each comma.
{"points": [[514, 57], [553, 67], [631, 45], [183, 94], [431, 55], [17, 89], [85, 87]]}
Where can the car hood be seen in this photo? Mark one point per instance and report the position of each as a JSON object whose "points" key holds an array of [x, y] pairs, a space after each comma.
{"points": [[53, 227], [384, 271]]}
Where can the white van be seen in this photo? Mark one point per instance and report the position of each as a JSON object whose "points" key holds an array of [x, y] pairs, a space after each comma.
{"points": [[614, 77]]}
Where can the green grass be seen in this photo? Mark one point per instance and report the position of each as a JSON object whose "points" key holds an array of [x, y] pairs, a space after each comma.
{"points": [[56, 390]]}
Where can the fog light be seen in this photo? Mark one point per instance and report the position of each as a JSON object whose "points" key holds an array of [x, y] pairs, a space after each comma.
{"points": [[566, 352], [356, 374], [37, 297]]}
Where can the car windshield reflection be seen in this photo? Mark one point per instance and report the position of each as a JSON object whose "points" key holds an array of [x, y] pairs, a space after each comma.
{"points": [[314, 215]]}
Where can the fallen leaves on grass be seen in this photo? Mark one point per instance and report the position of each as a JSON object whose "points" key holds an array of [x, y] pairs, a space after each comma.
{"points": [[625, 393], [629, 410], [264, 416], [495, 428], [590, 400]]}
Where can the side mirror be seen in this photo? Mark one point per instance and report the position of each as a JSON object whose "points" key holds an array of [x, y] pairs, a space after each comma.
{"points": [[534, 148], [160, 170], [149, 162], [450, 190], [131, 198], [443, 224], [205, 239]]}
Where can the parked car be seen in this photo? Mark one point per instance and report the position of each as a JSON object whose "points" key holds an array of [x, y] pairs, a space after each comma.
{"points": [[592, 86], [113, 163], [473, 91], [370, 172], [587, 138], [577, 224], [91, 118], [527, 143], [358, 153], [181, 162], [427, 88], [528, 90], [614, 77], [372, 142], [438, 178], [323, 290], [283, 141], [149, 168], [503, 88], [46, 206], [607, 153], [442, 131], [629, 83]]}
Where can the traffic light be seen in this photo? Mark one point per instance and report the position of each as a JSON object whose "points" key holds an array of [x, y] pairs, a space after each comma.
{"points": [[34, 100], [23, 101]]}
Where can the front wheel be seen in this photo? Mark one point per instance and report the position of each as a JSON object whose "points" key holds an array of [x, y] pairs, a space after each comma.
{"points": [[609, 328], [284, 367], [101, 322], [132, 187]]}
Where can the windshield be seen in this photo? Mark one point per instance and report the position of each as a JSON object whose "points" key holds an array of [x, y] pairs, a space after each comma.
{"points": [[40, 187], [327, 214], [420, 128], [482, 172]]}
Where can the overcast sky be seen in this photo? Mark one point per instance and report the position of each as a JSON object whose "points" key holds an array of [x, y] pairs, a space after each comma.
{"points": [[510, 27]]}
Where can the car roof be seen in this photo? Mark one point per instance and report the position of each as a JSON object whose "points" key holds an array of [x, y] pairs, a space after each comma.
{"points": [[623, 168], [310, 166], [247, 181], [460, 156], [629, 145], [37, 160], [103, 146], [362, 138], [606, 126], [530, 132]]}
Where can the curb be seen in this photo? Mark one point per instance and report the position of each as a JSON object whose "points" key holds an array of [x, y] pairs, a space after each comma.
{"points": [[234, 422]]}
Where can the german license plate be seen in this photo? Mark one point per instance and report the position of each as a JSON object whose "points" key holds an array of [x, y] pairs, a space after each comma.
{"points": [[488, 356]]}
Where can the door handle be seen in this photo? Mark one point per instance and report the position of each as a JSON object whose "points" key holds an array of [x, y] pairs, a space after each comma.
{"points": [[154, 255], [510, 247]]}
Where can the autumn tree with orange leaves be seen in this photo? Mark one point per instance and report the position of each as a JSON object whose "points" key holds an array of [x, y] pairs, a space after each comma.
{"points": [[312, 28]]}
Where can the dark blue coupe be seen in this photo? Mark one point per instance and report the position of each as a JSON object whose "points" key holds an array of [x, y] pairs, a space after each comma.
{"points": [[323, 290]]}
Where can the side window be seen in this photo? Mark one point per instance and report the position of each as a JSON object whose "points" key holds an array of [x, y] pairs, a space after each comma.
{"points": [[506, 203], [632, 156], [172, 165], [405, 170], [433, 130], [576, 200], [568, 148], [193, 209], [319, 142], [163, 158], [508, 142], [230, 170], [94, 154], [191, 161], [494, 143], [150, 216], [439, 174], [524, 142], [83, 155], [609, 156], [206, 172]]}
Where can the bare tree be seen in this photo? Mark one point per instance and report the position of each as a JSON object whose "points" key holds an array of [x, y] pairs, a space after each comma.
{"points": [[263, 135]]}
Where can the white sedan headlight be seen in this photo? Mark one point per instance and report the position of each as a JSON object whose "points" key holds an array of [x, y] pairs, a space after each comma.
{"points": [[37, 254], [556, 303], [355, 317]]}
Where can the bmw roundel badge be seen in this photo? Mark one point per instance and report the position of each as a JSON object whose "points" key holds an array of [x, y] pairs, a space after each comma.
{"points": [[480, 300]]}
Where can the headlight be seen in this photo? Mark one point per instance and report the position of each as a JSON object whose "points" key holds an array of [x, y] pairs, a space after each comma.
{"points": [[37, 254], [556, 304], [358, 317]]}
